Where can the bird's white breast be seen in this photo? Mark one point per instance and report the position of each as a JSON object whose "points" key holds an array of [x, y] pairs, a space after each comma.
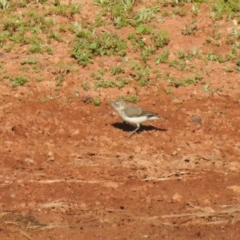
{"points": [[136, 120]]}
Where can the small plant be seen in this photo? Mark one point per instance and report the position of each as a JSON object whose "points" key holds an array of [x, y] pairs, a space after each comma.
{"points": [[238, 65], [101, 2], [99, 74], [186, 81], [214, 57], [74, 8], [96, 101], [191, 80], [19, 81], [79, 31], [39, 79], [60, 79], [4, 4], [104, 84], [180, 12], [76, 93], [163, 57], [94, 44], [182, 55], [85, 86], [24, 68], [195, 53], [130, 98], [206, 88], [145, 15], [62, 28], [120, 82], [143, 29], [128, 4], [190, 28], [158, 74], [168, 91], [64, 10], [228, 70], [43, 100], [137, 41], [8, 48], [178, 65], [39, 48], [30, 60], [4, 36], [55, 35], [218, 10], [196, 8], [160, 39], [147, 52], [142, 74], [116, 70]]}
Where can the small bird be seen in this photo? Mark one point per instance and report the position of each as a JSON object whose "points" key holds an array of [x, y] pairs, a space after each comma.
{"points": [[132, 114]]}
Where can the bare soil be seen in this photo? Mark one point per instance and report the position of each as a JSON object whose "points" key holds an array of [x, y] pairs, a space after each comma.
{"points": [[69, 170]]}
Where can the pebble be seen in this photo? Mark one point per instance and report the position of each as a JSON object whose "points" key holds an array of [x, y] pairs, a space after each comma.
{"points": [[29, 161], [177, 197], [235, 188]]}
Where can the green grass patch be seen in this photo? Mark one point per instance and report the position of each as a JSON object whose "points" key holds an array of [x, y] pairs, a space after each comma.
{"points": [[19, 81], [92, 44]]}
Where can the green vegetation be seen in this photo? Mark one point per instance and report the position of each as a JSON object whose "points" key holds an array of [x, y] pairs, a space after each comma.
{"points": [[4, 4], [91, 44], [130, 98], [142, 74], [221, 8], [30, 60], [163, 57], [86, 86], [168, 91], [178, 64], [96, 101], [101, 81], [19, 81], [190, 28], [126, 44]]}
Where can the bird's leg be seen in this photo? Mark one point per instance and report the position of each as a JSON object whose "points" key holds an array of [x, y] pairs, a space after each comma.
{"points": [[138, 126]]}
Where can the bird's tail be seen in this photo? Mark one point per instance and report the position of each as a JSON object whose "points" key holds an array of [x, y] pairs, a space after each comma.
{"points": [[153, 117]]}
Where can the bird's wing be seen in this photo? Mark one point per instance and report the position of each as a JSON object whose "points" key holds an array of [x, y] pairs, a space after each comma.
{"points": [[132, 111], [147, 113]]}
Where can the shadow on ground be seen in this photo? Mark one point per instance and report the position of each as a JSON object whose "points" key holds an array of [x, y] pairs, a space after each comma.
{"points": [[129, 128]]}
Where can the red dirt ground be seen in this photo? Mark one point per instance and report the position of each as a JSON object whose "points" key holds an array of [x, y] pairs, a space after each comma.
{"points": [[69, 171]]}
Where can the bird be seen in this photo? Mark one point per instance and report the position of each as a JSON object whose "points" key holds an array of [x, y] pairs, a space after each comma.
{"points": [[132, 114]]}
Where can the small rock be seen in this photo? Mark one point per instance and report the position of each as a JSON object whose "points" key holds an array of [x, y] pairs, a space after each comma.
{"points": [[208, 210], [76, 132], [22, 205], [137, 149], [61, 131], [29, 161], [54, 60], [235, 22], [174, 153], [50, 156], [177, 100], [197, 119], [235, 188], [32, 204], [83, 205], [234, 166], [111, 185], [177, 197]]}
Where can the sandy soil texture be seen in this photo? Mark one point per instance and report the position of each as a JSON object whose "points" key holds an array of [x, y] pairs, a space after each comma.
{"points": [[68, 168]]}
